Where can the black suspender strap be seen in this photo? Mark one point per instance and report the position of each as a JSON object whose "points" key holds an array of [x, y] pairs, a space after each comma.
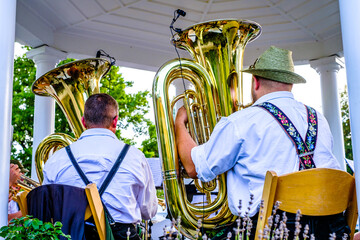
{"points": [[114, 169], [76, 165], [109, 177]]}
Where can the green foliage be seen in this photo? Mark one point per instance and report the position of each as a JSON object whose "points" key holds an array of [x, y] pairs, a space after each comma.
{"points": [[150, 145], [344, 104], [23, 110], [32, 228], [160, 193], [346, 124]]}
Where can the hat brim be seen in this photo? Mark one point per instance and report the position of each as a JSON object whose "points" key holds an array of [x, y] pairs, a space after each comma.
{"points": [[277, 75]]}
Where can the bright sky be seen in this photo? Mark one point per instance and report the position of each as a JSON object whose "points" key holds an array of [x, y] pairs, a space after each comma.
{"points": [[309, 93]]}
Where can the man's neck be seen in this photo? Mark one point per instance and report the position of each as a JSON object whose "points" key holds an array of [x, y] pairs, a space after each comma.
{"points": [[263, 93]]}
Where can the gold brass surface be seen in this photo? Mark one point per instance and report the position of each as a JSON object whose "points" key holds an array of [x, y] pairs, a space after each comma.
{"points": [[217, 48], [47, 147], [25, 184], [70, 85]]}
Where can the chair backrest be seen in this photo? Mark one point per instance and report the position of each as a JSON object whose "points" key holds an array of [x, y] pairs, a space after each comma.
{"points": [[94, 208], [21, 200], [315, 192], [97, 209]]}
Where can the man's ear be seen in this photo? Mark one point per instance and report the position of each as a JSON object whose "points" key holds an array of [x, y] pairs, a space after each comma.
{"points": [[83, 121], [114, 123], [256, 83]]}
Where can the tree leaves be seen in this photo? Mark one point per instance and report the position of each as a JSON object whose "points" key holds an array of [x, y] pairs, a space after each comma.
{"points": [[344, 103], [23, 110]]}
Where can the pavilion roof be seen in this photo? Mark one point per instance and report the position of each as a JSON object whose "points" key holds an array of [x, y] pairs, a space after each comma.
{"points": [[136, 32]]}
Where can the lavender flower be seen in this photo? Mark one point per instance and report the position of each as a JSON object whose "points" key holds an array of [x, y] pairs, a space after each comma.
{"points": [[286, 233], [306, 232], [240, 205], [128, 234], [276, 207], [260, 234], [332, 236], [345, 237]]}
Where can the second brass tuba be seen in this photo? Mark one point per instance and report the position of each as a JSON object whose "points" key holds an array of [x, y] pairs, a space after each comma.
{"points": [[217, 48], [70, 85]]}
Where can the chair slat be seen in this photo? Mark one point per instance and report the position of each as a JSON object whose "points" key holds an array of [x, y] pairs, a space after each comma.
{"points": [[21, 200], [97, 209]]}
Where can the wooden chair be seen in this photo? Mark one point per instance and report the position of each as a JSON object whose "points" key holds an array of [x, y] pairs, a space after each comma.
{"points": [[95, 208], [315, 192], [21, 200]]}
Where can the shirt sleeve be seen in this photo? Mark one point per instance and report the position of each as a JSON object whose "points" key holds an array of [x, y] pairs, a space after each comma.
{"points": [[147, 199], [220, 153]]}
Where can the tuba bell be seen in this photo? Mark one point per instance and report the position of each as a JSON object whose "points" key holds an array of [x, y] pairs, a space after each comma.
{"points": [[70, 85], [216, 90]]}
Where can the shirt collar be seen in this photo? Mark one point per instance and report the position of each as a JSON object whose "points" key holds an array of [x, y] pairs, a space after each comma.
{"points": [[97, 132], [274, 95]]}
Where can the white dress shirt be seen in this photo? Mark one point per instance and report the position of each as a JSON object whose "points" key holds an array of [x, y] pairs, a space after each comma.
{"points": [[13, 207], [250, 142], [130, 196]]}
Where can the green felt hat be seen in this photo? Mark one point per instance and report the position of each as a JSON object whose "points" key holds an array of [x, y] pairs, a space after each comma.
{"points": [[276, 64]]}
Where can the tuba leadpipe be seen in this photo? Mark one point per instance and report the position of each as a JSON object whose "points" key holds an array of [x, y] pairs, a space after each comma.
{"points": [[26, 183], [23, 183], [216, 90]]}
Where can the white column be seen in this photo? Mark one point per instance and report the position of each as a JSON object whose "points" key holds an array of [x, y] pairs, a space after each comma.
{"points": [[45, 59], [7, 26], [349, 16], [328, 68]]}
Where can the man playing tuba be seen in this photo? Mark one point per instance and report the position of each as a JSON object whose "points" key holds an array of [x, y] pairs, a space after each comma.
{"points": [[269, 135], [131, 194]]}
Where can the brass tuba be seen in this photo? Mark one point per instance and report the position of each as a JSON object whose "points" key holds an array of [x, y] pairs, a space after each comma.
{"points": [[70, 85], [216, 90]]}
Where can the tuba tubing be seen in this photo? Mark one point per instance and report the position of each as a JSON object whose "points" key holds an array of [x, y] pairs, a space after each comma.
{"points": [[174, 186], [48, 146]]}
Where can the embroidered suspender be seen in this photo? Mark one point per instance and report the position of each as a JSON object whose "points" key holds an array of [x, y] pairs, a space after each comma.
{"points": [[305, 149]]}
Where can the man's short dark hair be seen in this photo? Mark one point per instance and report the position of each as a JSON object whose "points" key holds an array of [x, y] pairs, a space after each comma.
{"points": [[100, 110]]}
